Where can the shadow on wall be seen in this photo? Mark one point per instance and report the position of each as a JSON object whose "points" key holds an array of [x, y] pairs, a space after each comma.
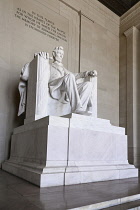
{"points": [[13, 120], [17, 120]]}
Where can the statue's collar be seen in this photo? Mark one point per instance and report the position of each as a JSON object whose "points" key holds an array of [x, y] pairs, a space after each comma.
{"points": [[57, 64]]}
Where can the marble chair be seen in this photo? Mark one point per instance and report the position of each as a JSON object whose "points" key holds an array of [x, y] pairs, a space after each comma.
{"points": [[39, 103]]}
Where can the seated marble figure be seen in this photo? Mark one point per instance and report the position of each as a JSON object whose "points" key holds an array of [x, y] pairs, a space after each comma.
{"points": [[62, 84]]}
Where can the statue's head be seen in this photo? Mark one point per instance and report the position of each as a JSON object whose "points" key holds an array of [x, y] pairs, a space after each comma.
{"points": [[58, 54]]}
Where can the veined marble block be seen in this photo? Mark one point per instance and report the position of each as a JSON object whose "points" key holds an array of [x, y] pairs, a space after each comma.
{"points": [[69, 150]]}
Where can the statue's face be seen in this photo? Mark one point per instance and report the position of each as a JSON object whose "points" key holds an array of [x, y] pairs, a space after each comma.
{"points": [[59, 54]]}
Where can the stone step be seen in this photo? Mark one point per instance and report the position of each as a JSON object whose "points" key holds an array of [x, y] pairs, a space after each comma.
{"points": [[74, 121], [92, 123], [125, 203], [134, 205]]}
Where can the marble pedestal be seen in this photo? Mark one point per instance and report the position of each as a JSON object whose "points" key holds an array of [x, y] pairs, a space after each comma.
{"points": [[69, 150]]}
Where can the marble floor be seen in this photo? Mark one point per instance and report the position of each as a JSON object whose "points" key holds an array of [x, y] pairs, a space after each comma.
{"points": [[17, 194]]}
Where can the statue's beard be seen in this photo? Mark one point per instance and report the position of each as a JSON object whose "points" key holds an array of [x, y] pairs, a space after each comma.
{"points": [[58, 63], [58, 60]]}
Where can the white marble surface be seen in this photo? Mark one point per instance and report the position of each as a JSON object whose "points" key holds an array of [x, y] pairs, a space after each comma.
{"points": [[50, 180], [98, 174], [96, 163], [57, 144], [125, 174], [56, 176], [129, 84], [94, 176], [52, 152], [88, 145], [93, 123], [51, 120], [40, 145]]}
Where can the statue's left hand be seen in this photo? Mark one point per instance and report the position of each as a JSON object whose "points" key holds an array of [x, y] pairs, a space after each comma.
{"points": [[92, 73]]}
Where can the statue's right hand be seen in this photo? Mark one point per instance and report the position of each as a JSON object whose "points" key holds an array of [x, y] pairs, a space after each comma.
{"points": [[44, 54]]}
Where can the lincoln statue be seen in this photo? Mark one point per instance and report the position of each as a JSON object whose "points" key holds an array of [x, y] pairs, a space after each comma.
{"points": [[62, 84]]}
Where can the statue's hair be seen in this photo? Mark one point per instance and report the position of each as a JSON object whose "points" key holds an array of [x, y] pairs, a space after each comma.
{"points": [[57, 48]]}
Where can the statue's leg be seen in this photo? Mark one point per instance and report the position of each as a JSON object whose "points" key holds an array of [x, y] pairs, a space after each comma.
{"points": [[84, 90], [22, 103], [72, 91]]}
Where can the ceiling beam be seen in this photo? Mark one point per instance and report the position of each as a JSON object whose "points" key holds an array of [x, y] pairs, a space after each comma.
{"points": [[119, 6]]}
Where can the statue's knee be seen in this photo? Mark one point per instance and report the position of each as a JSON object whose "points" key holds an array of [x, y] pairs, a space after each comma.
{"points": [[88, 84], [71, 76]]}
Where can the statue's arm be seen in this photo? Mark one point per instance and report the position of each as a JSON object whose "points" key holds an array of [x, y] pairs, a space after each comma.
{"points": [[80, 75], [67, 72], [86, 74]]}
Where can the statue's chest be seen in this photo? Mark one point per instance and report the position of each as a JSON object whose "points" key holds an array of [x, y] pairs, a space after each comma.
{"points": [[56, 73]]}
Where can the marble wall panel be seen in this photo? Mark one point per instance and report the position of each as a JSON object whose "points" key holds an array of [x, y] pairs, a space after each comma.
{"points": [[100, 51], [129, 79], [129, 19]]}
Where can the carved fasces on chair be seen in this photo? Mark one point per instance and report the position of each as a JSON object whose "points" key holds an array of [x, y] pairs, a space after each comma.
{"points": [[37, 91]]}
